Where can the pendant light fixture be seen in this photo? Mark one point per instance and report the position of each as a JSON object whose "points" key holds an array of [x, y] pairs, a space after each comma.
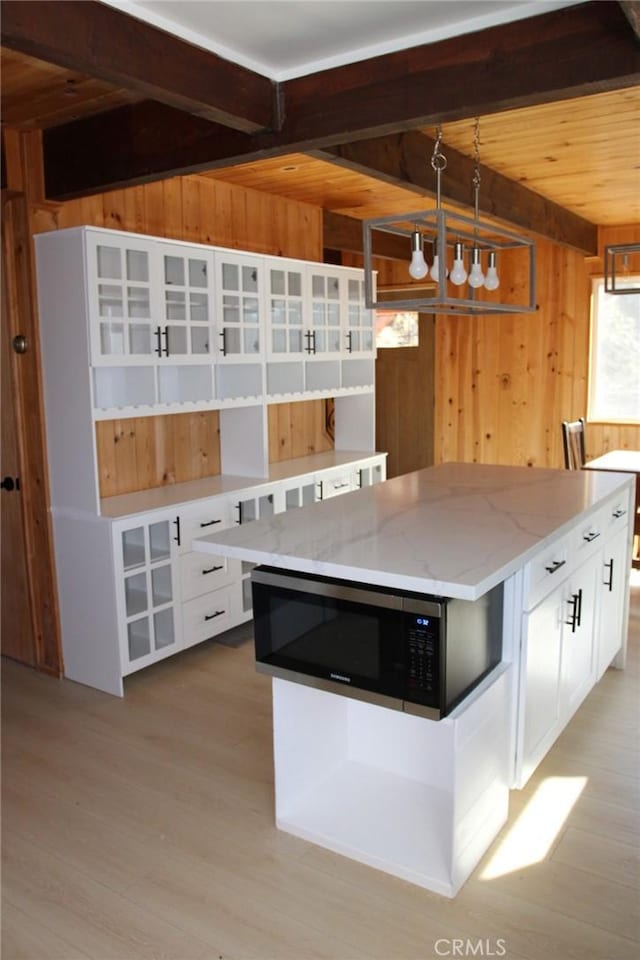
{"points": [[622, 268], [465, 254]]}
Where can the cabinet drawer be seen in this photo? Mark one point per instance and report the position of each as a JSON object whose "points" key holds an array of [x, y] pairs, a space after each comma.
{"points": [[335, 485], [206, 616], [545, 572], [201, 519], [587, 537], [202, 572]]}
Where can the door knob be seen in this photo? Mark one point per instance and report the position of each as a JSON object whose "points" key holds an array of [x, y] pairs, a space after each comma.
{"points": [[10, 484]]}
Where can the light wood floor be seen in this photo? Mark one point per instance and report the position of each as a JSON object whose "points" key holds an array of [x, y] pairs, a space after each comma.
{"points": [[143, 828]]}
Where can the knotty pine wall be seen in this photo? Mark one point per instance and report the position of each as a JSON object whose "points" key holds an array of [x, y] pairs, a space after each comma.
{"points": [[502, 384]]}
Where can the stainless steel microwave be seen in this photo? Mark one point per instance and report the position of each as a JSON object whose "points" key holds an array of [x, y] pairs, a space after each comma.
{"points": [[418, 653]]}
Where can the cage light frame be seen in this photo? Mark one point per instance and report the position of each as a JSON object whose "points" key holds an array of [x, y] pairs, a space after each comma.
{"points": [[612, 251], [448, 228]]}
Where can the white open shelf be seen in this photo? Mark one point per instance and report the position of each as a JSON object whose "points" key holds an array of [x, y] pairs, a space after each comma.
{"points": [[417, 798]]}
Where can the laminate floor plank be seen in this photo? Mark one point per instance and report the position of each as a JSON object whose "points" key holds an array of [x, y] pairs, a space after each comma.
{"points": [[144, 827]]}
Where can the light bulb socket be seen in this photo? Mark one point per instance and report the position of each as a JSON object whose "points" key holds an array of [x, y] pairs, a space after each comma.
{"points": [[475, 257], [492, 258], [457, 251], [416, 242]]}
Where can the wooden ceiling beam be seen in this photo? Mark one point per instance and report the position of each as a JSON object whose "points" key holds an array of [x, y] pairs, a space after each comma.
{"points": [[345, 233], [568, 53], [97, 40], [404, 160]]}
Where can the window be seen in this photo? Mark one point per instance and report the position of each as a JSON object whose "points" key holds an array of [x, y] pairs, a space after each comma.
{"points": [[614, 378], [396, 328]]}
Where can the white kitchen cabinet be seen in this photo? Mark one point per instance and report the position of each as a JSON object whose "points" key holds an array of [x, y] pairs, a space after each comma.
{"points": [[540, 660], [572, 627], [360, 333], [187, 302], [578, 636], [123, 297], [371, 473], [145, 555], [612, 585]]}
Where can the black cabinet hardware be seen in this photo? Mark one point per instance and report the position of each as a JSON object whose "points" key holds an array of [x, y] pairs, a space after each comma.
{"points": [[177, 526], [618, 513], [212, 616], [555, 566], [223, 337], [210, 523], [9, 484], [575, 602], [213, 569], [591, 536], [609, 583]]}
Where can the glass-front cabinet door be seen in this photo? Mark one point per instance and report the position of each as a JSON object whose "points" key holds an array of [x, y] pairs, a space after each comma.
{"points": [[148, 596], [122, 298], [187, 303], [323, 338], [359, 335], [285, 311], [239, 285]]}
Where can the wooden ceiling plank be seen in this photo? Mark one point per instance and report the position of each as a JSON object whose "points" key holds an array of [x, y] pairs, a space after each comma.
{"points": [[405, 160], [554, 56], [100, 41]]}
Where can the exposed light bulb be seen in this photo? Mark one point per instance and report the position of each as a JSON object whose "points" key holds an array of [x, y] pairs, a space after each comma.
{"points": [[435, 266], [492, 281], [458, 273], [476, 276], [418, 267]]}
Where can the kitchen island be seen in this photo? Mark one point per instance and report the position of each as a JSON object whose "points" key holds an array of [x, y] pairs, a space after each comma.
{"points": [[422, 799]]}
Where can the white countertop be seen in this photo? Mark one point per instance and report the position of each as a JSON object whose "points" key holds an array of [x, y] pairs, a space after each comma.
{"points": [[170, 495], [456, 529]]}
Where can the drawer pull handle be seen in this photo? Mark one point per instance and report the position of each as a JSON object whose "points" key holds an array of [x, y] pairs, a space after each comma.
{"points": [[555, 566], [590, 537], [212, 616], [213, 569], [619, 513], [210, 523], [340, 486]]}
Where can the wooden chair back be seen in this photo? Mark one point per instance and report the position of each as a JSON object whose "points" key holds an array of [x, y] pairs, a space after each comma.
{"points": [[573, 444]]}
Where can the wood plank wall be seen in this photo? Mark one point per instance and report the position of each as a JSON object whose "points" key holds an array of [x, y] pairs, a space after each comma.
{"points": [[504, 384]]}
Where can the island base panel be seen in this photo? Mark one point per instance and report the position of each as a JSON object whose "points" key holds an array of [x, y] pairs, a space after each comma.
{"points": [[419, 799]]}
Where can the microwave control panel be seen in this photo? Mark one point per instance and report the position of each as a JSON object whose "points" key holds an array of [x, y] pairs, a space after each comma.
{"points": [[423, 668]]}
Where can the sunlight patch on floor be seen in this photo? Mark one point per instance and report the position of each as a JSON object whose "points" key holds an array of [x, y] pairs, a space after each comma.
{"points": [[531, 836]]}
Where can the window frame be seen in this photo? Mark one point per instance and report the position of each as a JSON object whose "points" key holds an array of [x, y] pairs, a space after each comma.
{"points": [[598, 281]]}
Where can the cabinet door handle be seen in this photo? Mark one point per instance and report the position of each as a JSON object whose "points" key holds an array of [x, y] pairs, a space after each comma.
{"points": [[307, 337], [158, 348], [573, 602], [349, 338], [555, 566], [579, 614], [313, 340], [360, 477], [213, 569], [223, 337], [210, 523], [319, 486], [177, 526], [239, 509], [591, 536], [618, 513], [212, 616], [165, 334], [609, 583]]}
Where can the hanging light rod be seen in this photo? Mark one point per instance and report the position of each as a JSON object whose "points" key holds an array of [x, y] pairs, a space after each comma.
{"points": [[466, 254]]}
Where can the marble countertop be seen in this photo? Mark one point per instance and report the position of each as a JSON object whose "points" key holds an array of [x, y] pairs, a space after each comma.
{"points": [[456, 529]]}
